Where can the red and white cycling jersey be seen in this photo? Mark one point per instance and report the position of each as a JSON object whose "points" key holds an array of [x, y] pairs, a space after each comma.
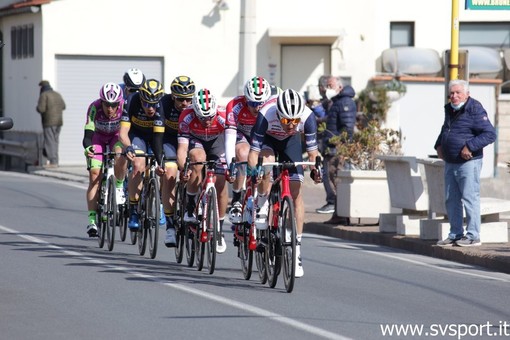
{"points": [[190, 126], [240, 115]]}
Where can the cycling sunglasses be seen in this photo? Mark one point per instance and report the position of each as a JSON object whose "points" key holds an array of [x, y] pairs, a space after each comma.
{"points": [[148, 105], [179, 99], [107, 104], [288, 121], [255, 104]]}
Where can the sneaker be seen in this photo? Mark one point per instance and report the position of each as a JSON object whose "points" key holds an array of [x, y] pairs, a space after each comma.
{"points": [[468, 242], [326, 209], [92, 230], [299, 265], [121, 198], [261, 216], [170, 240], [221, 245], [134, 222], [235, 213], [446, 242]]}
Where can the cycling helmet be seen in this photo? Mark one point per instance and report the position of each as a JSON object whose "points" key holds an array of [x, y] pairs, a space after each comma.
{"points": [[111, 93], [151, 91], [204, 104], [290, 104], [257, 89], [182, 87], [133, 78]]}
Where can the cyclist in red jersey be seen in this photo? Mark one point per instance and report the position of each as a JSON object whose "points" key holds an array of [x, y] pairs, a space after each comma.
{"points": [[202, 137], [280, 124], [243, 111]]}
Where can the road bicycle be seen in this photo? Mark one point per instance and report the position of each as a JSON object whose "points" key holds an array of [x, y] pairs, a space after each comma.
{"points": [[107, 209], [201, 237], [281, 234], [123, 213], [245, 232], [148, 208], [179, 211]]}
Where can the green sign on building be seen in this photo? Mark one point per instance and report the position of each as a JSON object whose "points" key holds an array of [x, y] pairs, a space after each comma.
{"points": [[488, 4]]}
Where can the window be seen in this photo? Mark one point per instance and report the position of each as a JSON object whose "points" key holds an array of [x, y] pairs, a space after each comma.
{"points": [[485, 34], [401, 34], [22, 41]]}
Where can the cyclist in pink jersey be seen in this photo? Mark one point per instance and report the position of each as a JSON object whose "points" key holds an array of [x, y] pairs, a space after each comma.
{"points": [[202, 137], [102, 129], [278, 130], [243, 111]]}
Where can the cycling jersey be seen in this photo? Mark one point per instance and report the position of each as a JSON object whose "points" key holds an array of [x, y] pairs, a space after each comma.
{"points": [[171, 122], [268, 123], [190, 126], [240, 117]]}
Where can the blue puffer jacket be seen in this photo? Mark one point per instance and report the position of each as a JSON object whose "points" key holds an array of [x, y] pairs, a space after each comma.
{"points": [[341, 116], [469, 126]]}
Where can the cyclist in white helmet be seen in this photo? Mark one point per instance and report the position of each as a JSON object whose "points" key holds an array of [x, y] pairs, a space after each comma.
{"points": [[280, 124], [102, 128], [133, 78]]}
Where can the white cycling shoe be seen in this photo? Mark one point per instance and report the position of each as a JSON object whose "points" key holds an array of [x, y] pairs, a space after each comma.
{"points": [[261, 216], [121, 198], [235, 213]]}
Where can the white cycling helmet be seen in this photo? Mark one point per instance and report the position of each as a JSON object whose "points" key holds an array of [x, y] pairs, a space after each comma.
{"points": [[110, 93], [204, 104], [290, 104], [133, 78], [257, 89]]}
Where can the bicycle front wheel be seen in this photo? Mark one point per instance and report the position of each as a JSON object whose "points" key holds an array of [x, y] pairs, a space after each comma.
{"points": [[153, 213], [141, 233], [260, 258], [111, 212], [245, 254], [273, 248], [180, 192], [101, 215], [123, 221], [213, 226], [201, 236], [288, 235]]}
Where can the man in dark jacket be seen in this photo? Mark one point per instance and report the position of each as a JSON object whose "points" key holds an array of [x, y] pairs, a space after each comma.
{"points": [[51, 107], [465, 132], [341, 116]]}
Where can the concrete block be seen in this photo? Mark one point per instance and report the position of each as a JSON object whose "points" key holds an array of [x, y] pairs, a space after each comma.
{"points": [[494, 232], [388, 223], [408, 225], [430, 228]]}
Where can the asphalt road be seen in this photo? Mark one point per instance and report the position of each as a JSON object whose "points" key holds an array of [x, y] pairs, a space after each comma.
{"points": [[56, 283]]}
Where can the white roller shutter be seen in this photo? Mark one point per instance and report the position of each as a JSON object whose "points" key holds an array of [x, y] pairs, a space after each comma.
{"points": [[79, 79]]}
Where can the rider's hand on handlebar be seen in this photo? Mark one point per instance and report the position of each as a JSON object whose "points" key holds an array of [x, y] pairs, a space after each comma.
{"points": [[315, 174], [130, 152], [89, 151], [184, 176]]}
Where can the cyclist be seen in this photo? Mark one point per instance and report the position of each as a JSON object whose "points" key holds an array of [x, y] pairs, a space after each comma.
{"points": [[102, 129], [141, 131], [133, 79], [201, 136], [278, 130], [243, 111], [182, 90]]}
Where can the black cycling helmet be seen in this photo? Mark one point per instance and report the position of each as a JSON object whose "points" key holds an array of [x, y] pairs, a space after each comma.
{"points": [[182, 87], [133, 78], [151, 91]]}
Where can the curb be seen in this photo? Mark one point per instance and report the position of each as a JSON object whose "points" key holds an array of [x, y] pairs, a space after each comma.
{"points": [[371, 235]]}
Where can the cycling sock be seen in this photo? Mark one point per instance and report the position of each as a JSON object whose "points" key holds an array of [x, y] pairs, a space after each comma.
{"points": [[119, 183], [92, 216], [298, 237]]}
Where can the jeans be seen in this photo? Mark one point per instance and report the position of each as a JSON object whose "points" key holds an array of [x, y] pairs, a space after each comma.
{"points": [[462, 192], [328, 179]]}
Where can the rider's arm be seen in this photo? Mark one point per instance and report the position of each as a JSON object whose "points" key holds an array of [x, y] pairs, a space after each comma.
{"points": [[230, 144], [124, 133], [89, 126], [182, 153]]}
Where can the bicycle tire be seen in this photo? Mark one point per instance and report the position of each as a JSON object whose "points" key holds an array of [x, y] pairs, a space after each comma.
{"points": [[189, 243], [178, 221], [245, 254], [273, 248], [111, 212], [141, 233], [123, 221], [134, 236], [101, 215], [153, 213], [288, 234], [199, 245], [260, 259], [212, 224]]}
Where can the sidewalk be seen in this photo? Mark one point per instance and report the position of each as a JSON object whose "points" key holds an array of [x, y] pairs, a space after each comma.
{"points": [[495, 256]]}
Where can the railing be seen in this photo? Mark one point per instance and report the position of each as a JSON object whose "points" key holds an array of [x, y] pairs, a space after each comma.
{"points": [[20, 149]]}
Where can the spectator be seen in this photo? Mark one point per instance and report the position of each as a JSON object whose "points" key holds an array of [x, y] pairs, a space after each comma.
{"points": [[341, 116], [465, 132], [51, 107]]}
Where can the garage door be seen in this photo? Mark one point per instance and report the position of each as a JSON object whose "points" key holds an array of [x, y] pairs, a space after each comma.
{"points": [[79, 79]]}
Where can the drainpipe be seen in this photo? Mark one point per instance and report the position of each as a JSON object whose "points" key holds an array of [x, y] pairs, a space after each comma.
{"points": [[247, 43]]}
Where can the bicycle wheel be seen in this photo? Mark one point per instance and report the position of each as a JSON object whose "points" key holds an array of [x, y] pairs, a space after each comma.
{"points": [[134, 236], [260, 259], [273, 248], [189, 242], [153, 213], [123, 221], [111, 212], [101, 215], [180, 192], [213, 225], [245, 254], [200, 237], [141, 233], [288, 234]]}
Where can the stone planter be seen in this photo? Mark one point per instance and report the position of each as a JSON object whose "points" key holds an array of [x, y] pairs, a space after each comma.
{"points": [[363, 194]]}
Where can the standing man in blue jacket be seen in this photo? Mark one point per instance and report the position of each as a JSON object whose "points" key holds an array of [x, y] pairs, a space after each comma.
{"points": [[465, 132], [341, 116]]}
